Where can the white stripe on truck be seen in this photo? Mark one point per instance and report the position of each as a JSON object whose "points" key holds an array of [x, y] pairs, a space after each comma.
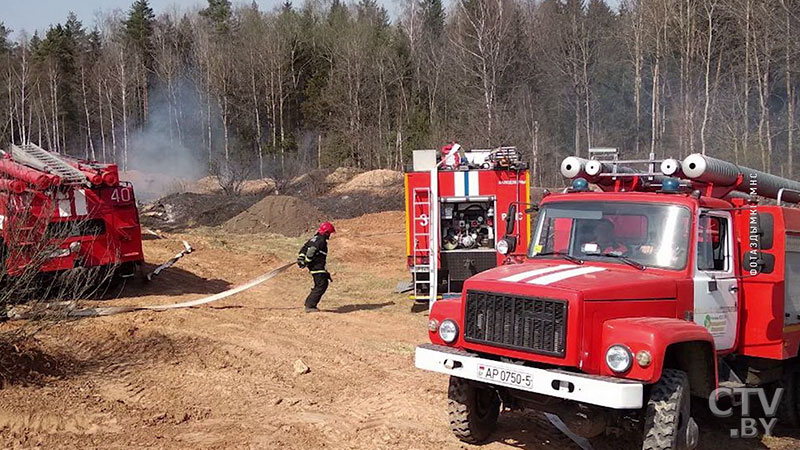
{"points": [[561, 276], [532, 273]]}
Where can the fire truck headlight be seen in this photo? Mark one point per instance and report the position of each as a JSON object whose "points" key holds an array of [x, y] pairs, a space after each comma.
{"points": [[619, 358], [60, 253], [502, 247], [75, 247], [448, 331], [433, 325]]}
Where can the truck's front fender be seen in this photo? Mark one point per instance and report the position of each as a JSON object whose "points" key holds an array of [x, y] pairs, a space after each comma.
{"points": [[448, 308], [671, 343]]}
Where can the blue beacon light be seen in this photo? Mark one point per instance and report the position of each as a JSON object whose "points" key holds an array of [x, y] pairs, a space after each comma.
{"points": [[670, 185], [580, 184]]}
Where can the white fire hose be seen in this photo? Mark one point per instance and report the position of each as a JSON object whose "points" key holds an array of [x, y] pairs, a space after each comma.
{"points": [[186, 250], [111, 310]]}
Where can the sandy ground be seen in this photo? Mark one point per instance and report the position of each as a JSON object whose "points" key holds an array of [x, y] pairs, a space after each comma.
{"points": [[222, 376]]}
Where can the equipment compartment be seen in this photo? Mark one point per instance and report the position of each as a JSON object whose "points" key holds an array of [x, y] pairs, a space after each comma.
{"points": [[468, 225]]}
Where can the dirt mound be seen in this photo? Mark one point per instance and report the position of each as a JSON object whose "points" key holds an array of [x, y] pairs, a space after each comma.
{"points": [[189, 209], [262, 186], [279, 214], [210, 185], [375, 181], [342, 175], [364, 193], [205, 185], [348, 206], [149, 186], [27, 364], [307, 184]]}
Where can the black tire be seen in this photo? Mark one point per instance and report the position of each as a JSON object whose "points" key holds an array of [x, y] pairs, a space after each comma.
{"points": [[668, 412], [473, 409], [788, 409]]}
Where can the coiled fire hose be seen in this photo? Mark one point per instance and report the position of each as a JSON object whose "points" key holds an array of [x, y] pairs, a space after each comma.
{"points": [[111, 310]]}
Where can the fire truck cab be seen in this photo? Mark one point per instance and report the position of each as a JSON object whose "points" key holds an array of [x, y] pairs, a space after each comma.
{"points": [[665, 284], [456, 208]]}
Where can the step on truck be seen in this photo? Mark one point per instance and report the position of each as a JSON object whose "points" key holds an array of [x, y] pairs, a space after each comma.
{"points": [[647, 284]]}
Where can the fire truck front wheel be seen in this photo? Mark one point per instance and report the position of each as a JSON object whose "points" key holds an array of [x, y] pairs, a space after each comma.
{"points": [[668, 422], [473, 409]]}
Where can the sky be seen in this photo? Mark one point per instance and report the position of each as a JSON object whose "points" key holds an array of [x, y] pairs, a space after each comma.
{"points": [[33, 15]]}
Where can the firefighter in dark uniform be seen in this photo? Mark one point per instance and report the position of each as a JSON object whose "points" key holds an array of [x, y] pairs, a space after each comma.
{"points": [[314, 255]]}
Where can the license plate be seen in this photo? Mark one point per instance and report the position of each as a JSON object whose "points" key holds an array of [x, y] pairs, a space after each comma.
{"points": [[504, 376]]}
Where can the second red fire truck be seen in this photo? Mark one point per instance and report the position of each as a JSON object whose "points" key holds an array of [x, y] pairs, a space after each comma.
{"points": [[670, 281], [58, 213], [456, 206]]}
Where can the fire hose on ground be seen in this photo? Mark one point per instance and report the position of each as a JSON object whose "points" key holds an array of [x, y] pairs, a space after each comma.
{"points": [[186, 250], [112, 310]]}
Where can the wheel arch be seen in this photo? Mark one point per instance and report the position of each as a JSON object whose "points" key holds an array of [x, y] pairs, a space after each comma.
{"points": [[697, 359], [672, 344]]}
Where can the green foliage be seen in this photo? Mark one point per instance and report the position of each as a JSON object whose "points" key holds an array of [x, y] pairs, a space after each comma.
{"points": [[219, 13], [248, 84], [5, 44], [433, 17], [139, 30]]}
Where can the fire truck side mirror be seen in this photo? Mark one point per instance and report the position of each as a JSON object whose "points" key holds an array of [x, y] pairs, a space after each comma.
{"points": [[765, 230], [511, 219], [757, 263]]}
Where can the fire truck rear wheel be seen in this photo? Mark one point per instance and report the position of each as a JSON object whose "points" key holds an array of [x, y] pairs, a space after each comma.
{"points": [[473, 409], [668, 422], [788, 408]]}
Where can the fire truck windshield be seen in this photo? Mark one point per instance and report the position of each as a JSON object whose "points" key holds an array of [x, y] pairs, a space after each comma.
{"points": [[653, 235]]}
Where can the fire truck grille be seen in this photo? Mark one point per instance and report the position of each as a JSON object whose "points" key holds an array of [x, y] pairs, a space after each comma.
{"points": [[521, 323]]}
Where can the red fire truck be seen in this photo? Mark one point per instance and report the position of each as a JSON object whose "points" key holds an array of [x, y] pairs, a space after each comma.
{"points": [[58, 213], [452, 221], [668, 282]]}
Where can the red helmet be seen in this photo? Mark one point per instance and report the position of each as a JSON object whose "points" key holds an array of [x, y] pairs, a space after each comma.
{"points": [[326, 228]]}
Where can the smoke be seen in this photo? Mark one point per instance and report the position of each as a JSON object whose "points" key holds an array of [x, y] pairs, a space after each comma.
{"points": [[168, 151], [169, 143]]}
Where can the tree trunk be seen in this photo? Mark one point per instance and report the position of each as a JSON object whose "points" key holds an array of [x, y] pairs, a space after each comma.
{"points": [[789, 101], [257, 116], [124, 85], [223, 104], [43, 114], [637, 80], [90, 150], [209, 124], [113, 125], [747, 45], [710, 39], [10, 88], [654, 106], [100, 116], [54, 108]]}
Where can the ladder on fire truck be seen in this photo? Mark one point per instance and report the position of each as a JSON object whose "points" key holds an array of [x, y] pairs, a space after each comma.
{"points": [[422, 206], [430, 217], [38, 158]]}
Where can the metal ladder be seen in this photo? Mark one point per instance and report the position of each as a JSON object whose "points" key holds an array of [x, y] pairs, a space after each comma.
{"points": [[38, 158], [422, 219]]}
